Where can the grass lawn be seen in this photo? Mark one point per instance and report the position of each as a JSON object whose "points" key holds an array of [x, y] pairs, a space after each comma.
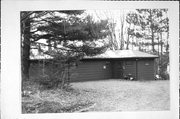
{"points": [[116, 95], [104, 95]]}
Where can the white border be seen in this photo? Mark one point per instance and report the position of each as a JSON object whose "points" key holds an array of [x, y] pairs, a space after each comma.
{"points": [[11, 78]]}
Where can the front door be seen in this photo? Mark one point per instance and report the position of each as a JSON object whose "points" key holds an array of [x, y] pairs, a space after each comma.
{"points": [[118, 70]]}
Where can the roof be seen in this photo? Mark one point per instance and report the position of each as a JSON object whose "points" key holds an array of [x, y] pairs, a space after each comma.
{"points": [[40, 57], [122, 54]]}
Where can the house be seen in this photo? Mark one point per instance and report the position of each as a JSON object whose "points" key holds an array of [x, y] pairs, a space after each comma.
{"points": [[116, 65], [109, 65]]}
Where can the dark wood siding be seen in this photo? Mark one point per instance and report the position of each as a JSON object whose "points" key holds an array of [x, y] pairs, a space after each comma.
{"points": [[92, 70], [117, 69], [130, 67], [142, 69], [124, 67], [146, 69], [36, 70]]}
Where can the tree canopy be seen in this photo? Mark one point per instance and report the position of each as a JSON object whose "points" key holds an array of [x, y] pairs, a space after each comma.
{"points": [[151, 23], [61, 31]]}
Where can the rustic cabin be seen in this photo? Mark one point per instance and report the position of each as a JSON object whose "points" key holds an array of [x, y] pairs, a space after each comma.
{"points": [[110, 65], [116, 65]]}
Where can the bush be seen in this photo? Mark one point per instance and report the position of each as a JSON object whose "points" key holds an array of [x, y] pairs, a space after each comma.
{"points": [[48, 82], [164, 75], [54, 80], [163, 63], [53, 75]]}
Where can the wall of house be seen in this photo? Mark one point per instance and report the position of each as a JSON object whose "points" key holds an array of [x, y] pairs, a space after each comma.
{"points": [[146, 69], [130, 67], [123, 67], [92, 70], [102, 69], [41, 69], [142, 69], [117, 69], [84, 71]]}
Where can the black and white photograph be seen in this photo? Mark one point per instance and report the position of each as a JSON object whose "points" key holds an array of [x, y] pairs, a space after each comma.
{"points": [[94, 60]]}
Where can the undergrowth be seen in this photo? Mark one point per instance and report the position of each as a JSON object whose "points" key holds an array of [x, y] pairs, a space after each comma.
{"points": [[37, 100]]}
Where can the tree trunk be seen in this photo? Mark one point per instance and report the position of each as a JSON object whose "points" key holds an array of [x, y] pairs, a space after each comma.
{"points": [[132, 42], [167, 45], [159, 59], [127, 46], [128, 32], [161, 45], [25, 26], [152, 32], [152, 40], [122, 34], [158, 43]]}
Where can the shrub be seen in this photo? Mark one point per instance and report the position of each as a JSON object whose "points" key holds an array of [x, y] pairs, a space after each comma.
{"points": [[54, 75], [48, 82], [164, 75]]}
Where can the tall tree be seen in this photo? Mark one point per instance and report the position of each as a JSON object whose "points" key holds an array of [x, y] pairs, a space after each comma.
{"points": [[149, 22], [26, 19], [112, 36], [116, 25], [59, 28], [154, 27], [132, 20], [122, 33], [70, 29], [114, 44], [25, 50]]}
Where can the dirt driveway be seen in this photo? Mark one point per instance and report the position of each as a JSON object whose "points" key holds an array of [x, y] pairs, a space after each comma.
{"points": [[118, 95]]}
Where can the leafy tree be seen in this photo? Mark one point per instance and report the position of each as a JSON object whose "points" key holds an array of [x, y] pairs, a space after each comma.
{"points": [[26, 19], [132, 20], [150, 23]]}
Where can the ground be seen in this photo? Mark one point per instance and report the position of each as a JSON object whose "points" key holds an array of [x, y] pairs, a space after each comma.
{"points": [[104, 95], [115, 95]]}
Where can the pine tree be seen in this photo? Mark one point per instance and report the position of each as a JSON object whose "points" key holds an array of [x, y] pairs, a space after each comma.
{"points": [[60, 28], [149, 21]]}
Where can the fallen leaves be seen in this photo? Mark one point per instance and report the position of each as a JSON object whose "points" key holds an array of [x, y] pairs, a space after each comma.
{"points": [[55, 101]]}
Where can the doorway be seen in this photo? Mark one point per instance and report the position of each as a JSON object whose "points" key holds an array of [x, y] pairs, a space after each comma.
{"points": [[118, 70]]}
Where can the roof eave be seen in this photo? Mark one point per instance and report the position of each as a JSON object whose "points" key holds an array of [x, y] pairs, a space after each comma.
{"points": [[121, 57]]}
